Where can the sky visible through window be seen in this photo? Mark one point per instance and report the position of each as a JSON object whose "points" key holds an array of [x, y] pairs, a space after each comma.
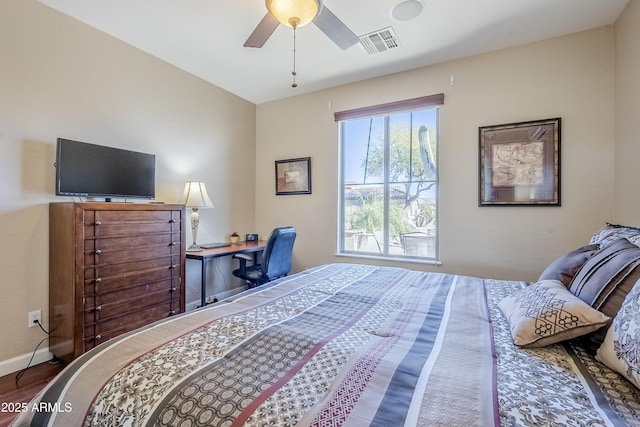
{"points": [[360, 134]]}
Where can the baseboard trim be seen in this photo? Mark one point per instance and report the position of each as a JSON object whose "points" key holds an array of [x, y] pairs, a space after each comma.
{"points": [[18, 363], [189, 306]]}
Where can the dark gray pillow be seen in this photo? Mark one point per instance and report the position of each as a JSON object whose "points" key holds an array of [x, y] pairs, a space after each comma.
{"points": [[606, 278], [565, 268]]}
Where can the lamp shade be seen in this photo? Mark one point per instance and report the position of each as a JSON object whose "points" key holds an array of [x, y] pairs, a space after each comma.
{"points": [[195, 195], [290, 12]]}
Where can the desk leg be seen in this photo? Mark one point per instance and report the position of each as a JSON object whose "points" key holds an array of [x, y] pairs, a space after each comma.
{"points": [[203, 283]]}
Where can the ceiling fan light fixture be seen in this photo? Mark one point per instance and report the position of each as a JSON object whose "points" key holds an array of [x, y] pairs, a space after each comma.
{"points": [[294, 13]]}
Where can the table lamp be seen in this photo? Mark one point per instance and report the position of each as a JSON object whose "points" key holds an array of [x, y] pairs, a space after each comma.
{"points": [[195, 197]]}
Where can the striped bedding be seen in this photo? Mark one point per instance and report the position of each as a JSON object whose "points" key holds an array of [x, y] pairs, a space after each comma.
{"points": [[338, 345]]}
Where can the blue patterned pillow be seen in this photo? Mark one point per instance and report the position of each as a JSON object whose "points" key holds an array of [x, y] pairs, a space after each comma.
{"points": [[546, 312], [612, 232], [620, 349]]}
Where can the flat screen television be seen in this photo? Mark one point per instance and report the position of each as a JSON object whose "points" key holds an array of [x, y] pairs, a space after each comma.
{"points": [[91, 170]]}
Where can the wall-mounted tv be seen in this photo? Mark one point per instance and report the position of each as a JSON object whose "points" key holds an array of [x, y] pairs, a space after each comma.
{"points": [[91, 170]]}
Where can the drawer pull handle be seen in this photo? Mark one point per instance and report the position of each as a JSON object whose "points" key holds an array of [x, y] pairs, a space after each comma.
{"points": [[172, 244], [172, 221], [174, 289], [172, 266], [98, 251], [98, 280], [98, 222], [98, 337], [172, 312], [99, 308]]}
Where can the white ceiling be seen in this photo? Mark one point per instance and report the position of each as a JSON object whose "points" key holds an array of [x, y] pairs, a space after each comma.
{"points": [[205, 37]]}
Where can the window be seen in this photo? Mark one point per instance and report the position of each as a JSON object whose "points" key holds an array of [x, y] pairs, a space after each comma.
{"points": [[389, 180]]}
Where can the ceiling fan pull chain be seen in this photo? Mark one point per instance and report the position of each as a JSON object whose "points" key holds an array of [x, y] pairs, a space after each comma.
{"points": [[294, 84]]}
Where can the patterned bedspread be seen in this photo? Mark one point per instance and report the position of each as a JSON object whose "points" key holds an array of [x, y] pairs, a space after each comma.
{"points": [[340, 344]]}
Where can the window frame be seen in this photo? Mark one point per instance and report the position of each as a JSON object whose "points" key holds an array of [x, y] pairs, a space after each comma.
{"points": [[385, 110]]}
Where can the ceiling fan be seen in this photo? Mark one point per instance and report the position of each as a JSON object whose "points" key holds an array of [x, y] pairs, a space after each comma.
{"points": [[297, 13]]}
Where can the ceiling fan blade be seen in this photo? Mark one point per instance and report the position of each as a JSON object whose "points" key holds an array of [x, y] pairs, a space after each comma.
{"points": [[262, 32], [335, 29]]}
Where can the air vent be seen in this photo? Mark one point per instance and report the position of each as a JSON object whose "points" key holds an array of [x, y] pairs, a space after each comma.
{"points": [[379, 41]]}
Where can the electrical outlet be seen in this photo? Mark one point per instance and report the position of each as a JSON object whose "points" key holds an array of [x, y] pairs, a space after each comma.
{"points": [[35, 316]]}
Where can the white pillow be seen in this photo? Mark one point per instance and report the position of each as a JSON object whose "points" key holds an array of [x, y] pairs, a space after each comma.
{"points": [[546, 312], [620, 349]]}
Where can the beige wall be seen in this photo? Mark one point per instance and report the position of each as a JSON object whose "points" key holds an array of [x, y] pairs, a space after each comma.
{"points": [[569, 77], [61, 78], [627, 109]]}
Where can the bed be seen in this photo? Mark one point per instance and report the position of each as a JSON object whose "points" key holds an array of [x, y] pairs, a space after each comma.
{"points": [[350, 344]]}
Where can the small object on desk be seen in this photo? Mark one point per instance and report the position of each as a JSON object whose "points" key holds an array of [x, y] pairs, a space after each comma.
{"points": [[251, 238], [235, 238], [214, 245]]}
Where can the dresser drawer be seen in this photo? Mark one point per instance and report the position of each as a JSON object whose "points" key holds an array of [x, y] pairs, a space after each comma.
{"points": [[127, 229], [121, 224], [123, 294], [127, 216], [101, 285], [112, 304], [101, 272], [107, 257], [137, 243], [97, 333]]}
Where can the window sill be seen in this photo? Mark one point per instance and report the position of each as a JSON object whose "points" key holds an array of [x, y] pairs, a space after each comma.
{"points": [[389, 258]]}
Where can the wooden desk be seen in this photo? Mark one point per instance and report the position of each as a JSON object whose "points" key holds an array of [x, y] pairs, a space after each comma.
{"points": [[207, 254]]}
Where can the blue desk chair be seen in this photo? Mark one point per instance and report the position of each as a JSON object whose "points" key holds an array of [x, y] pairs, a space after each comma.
{"points": [[276, 259]]}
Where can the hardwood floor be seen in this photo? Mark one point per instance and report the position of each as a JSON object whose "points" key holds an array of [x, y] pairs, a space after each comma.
{"points": [[33, 380]]}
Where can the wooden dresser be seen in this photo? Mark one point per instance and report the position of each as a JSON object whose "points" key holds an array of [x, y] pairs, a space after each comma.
{"points": [[113, 267]]}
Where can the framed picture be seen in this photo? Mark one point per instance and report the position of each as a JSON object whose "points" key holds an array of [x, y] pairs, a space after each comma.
{"points": [[520, 164], [293, 176]]}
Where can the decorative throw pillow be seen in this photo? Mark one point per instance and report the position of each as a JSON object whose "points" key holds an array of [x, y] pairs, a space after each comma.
{"points": [[621, 347], [605, 280], [607, 277], [612, 232], [546, 312], [565, 267]]}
